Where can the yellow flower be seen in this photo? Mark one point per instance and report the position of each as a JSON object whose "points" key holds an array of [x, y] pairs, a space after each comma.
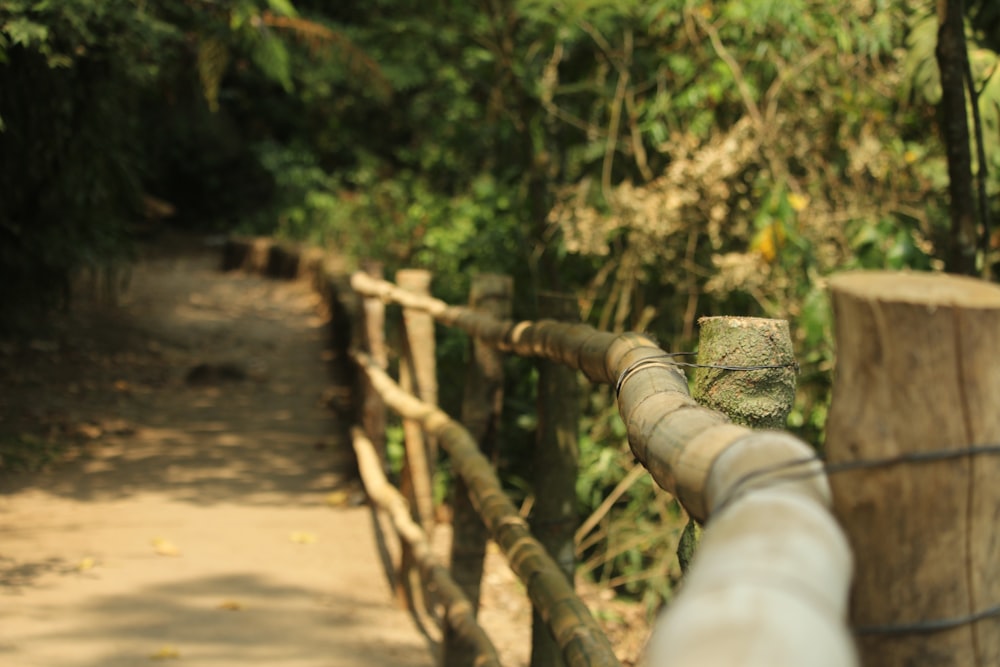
{"points": [[798, 202], [768, 241]]}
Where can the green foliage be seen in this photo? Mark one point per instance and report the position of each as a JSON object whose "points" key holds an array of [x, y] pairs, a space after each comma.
{"points": [[106, 101], [921, 81], [631, 551]]}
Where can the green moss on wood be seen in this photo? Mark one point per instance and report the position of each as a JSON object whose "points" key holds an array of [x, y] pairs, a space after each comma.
{"points": [[760, 398]]}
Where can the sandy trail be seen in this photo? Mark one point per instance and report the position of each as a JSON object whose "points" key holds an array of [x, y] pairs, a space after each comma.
{"points": [[207, 518]]}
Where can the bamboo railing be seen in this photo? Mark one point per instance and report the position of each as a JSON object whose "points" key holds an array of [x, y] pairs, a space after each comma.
{"points": [[772, 557], [915, 408], [769, 584]]}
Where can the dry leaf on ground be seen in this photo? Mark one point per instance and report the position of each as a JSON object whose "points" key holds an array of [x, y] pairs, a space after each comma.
{"points": [[165, 547]]}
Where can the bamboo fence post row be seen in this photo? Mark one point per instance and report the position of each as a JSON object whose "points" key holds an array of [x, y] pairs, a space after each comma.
{"points": [[773, 558], [459, 611], [582, 642]]}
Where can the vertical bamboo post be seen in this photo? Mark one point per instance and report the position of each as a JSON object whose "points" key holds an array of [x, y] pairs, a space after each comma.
{"points": [[346, 330], [481, 407], [554, 518], [418, 375], [917, 390], [373, 414], [416, 481]]}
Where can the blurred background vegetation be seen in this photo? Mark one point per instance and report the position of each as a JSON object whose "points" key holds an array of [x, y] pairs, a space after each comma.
{"points": [[663, 160]]}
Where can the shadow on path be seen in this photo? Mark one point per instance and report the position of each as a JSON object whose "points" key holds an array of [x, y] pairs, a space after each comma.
{"points": [[205, 514]]}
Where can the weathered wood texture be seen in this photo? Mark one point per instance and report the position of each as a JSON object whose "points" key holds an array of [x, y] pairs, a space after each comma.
{"points": [[918, 375], [458, 611], [554, 517], [581, 639], [482, 403]]}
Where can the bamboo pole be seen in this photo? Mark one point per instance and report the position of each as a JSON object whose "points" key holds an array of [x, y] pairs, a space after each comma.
{"points": [[415, 480], [677, 440], [373, 415], [772, 557], [458, 609], [419, 366], [481, 406], [918, 383], [581, 639], [554, 517]]}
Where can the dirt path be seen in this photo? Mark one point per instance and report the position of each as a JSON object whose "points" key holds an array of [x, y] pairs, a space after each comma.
{"points": [[207, 518]]}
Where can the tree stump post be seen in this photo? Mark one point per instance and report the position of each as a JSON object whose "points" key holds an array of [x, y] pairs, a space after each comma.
{"points": [[554, 518], [756, 398], [917, 386], [760, 398], [481, 408]]}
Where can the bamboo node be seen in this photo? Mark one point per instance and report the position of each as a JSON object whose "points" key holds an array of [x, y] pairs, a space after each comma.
{"points": [[663, 361]]}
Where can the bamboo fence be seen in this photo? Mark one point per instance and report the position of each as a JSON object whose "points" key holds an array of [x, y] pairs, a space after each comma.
{"points": [[773, 556], [913, 436]]}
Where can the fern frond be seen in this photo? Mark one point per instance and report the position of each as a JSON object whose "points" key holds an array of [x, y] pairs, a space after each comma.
{"points": [[213, 59]]}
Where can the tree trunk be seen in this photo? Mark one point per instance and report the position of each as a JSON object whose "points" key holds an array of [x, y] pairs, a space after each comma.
{"points": [[953, 63]]}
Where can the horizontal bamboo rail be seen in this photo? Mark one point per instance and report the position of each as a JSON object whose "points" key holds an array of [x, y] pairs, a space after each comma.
{"points": [[582, 642], [458, 609]]}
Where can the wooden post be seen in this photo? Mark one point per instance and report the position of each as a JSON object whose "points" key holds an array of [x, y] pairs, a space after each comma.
{"points": [[481, 409], [757, 398], [917, 386], [416, 479], [373, 416], [554, 519], [418, 375]]}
